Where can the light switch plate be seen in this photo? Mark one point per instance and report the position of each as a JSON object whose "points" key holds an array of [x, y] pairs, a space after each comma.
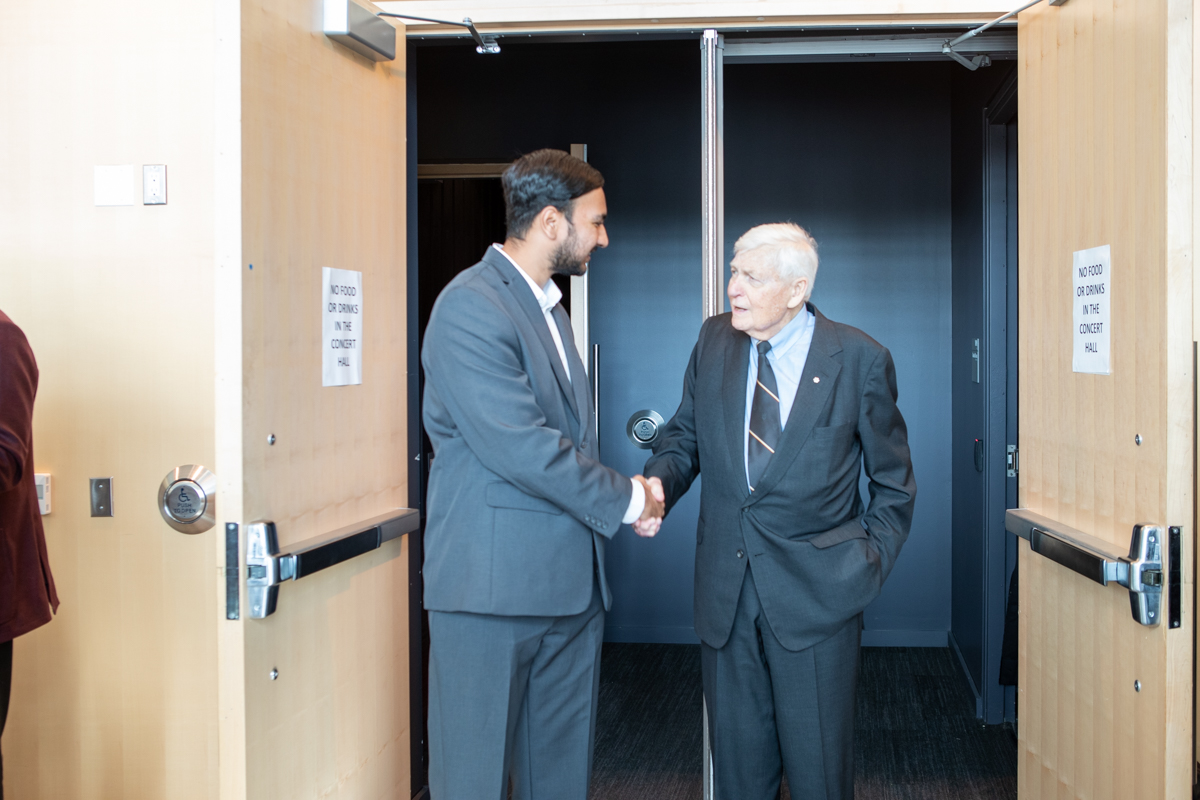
{"points": [[102, 497], [42, 481], [154, 184]]}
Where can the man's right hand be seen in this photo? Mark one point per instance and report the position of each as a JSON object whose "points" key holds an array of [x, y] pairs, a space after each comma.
{"points": [[652, 515]]}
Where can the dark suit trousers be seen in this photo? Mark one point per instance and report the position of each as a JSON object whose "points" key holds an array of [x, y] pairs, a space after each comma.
{"points": [[773, 709], [6, 655], [513, 695]]}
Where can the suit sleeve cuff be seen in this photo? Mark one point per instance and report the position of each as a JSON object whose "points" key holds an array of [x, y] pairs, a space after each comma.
{"points": [[637, 503]]}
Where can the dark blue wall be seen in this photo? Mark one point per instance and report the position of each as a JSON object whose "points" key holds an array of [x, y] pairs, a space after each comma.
{"points": [[860, 154], [637, 107]]}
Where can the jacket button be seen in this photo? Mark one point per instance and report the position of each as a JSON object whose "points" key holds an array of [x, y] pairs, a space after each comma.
{"points": [[740, 554]]}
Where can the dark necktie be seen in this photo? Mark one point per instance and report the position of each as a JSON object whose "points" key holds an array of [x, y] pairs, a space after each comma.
{"points": [[765, 428]]}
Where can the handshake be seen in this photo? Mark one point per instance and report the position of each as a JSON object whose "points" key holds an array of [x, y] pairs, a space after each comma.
{"points": [[652, 515]]}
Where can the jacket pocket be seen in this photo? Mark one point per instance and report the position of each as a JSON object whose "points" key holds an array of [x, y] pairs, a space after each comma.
{"points": [[831, 432], [842, 533], [504, 495]]}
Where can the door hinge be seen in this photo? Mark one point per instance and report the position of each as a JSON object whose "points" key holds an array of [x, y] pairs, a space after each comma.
{"points": [[1012, 460]]}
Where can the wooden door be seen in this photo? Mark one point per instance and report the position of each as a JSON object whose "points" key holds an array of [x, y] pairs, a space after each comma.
{"points": [[318, 691], [1105, 705]]}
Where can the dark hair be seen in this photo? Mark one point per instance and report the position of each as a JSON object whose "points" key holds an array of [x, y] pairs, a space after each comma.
{"points": [[544, 178]]}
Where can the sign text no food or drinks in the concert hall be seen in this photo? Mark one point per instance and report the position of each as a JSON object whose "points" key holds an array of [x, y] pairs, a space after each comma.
{"points": [[341, 327], [1092, 270]]}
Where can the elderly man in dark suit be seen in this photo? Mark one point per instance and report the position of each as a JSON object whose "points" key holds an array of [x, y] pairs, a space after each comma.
{"points": [[27, 595], [519, 509], [781, 409]]}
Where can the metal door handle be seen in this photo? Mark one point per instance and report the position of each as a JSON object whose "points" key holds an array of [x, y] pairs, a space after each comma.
{"points": [[266, 568], [1141, 571]]}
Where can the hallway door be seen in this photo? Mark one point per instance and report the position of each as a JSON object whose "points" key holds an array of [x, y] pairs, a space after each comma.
{"points": [[315, 697], [1105, 704]]}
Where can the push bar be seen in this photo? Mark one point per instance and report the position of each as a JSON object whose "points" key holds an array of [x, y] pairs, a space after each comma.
{"points": [[266, 567], [1141, 572]]}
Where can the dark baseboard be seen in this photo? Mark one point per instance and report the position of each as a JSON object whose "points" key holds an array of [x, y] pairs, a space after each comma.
{"points": [[903, 638]]}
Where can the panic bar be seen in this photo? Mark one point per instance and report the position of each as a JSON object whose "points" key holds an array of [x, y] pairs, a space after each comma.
{"points": [[1141, 572], [266, 568]]}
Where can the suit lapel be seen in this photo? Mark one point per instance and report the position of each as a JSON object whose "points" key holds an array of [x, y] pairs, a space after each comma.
{"points": [[736, 360], [523, 296], [816, 386]]}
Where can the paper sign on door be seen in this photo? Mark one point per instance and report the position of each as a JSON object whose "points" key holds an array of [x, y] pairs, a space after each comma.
{"points": [[341, 327], [1092, 270]]}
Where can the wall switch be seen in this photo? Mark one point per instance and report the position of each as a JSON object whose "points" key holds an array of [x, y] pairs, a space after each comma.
{"points": [[154, 184], [42, 481], [102, 497]]}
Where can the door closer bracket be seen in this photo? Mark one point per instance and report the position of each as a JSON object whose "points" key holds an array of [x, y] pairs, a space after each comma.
{"points": [[267, 568], [1143, 571], [983, 59]]}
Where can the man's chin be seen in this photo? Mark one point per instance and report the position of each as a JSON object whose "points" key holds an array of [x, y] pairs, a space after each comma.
{"points": [[572, 270]]}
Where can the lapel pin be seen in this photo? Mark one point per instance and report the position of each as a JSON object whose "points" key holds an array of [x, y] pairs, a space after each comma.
{"points": [[816, 379]]}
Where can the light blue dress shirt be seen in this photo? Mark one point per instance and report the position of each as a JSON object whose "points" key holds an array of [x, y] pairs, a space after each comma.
{"points": [[788, 354]]}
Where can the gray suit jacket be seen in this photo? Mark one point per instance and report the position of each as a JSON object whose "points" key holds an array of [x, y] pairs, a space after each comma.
{"points": [[818, 556], [518, 507]]}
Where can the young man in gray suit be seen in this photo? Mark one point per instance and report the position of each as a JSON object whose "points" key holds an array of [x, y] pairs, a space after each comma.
{"points": [[519, 509], [781, 409]]}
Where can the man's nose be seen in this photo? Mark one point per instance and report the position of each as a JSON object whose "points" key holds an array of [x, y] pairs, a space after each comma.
{"points": [[735, 288], [603, 240]]}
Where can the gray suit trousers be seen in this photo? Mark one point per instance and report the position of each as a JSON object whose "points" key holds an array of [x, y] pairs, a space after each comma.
{"points": [[771, 709], [513, 695]]}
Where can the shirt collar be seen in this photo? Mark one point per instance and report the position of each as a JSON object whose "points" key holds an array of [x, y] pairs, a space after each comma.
{"points": [[791, 333], [547, 296]]}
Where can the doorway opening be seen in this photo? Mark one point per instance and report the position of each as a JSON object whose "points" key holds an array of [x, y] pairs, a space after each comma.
{"points": [[903, 171]]}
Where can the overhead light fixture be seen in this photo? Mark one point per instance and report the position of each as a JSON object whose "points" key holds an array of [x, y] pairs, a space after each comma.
{"points": [[485, 45]]}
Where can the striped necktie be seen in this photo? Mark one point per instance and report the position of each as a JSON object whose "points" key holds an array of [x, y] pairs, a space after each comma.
{"points": [[765, 428]]}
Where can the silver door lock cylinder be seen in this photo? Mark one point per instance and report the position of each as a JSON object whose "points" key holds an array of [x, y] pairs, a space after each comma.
{"points": [[187, 499]]}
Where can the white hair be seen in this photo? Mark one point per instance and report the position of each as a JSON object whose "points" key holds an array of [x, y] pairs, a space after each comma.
{"points": [[787, 246]]}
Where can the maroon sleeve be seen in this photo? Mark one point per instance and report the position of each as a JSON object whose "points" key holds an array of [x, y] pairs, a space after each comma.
{"points": [[18, 384]]}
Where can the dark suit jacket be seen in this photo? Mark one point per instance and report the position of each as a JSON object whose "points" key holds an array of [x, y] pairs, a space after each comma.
{"points": [[818, 556], [519, 509], [26, 586]]}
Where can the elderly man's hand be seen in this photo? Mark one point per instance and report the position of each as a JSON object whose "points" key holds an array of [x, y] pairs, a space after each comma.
{"points": [[652, 516]]}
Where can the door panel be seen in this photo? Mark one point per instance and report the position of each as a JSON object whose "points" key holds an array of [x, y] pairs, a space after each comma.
{"points": [[1105, 159], [323, 185]]}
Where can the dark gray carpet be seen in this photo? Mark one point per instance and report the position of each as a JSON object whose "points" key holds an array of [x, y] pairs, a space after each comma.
{"points": [[917, 736]]}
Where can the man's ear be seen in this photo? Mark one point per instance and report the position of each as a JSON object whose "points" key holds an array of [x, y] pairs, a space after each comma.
{"points": [[552, 222], [799, 289]]}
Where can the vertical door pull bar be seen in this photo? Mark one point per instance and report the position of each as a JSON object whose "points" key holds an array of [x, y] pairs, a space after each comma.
{"points": [[596, 393], [712, 170], [1141, 571], [266, 567]]}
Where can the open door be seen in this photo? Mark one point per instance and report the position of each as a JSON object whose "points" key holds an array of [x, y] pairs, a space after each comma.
{"points": [[1105, 703], [314, 677]]}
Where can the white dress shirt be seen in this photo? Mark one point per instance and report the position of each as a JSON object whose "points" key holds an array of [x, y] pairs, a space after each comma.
{"points": [[788, 354], [548, 297]]}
